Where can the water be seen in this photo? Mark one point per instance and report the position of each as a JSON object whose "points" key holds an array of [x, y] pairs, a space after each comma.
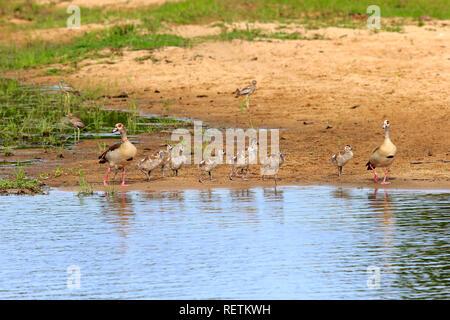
{"points": [[296, 243]]}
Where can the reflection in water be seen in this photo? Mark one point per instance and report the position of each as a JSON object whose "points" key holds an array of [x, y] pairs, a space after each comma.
{"points": [[262, 243]]}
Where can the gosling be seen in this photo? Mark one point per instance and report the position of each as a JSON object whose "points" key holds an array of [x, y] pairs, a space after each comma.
{"points": [[150, 163], [176, 158], [340, 158], [243, 159], [209, 164], [271, 166]]}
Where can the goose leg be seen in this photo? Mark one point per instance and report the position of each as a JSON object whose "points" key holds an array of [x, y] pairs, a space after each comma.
{"points": [[375, 177], [148, 175], [123, 179], [232, 172], [200, 179], [105, 182], [210, 177], [385, 176], [244, 176], [162, 170], [340, 171]]}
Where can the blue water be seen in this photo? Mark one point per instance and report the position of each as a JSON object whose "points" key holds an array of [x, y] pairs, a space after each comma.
{"points": [[295, 243]]}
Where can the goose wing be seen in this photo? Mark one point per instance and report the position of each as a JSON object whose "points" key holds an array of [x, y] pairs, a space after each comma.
{"points": [[102, 157]]}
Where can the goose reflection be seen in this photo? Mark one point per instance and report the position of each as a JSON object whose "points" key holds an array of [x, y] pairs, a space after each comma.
{"points": [[382, 207], [119, 211]]}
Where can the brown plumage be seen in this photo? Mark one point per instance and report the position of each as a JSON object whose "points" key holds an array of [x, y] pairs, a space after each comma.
{"points": [[118, 155], [209, 164], [271, 166], [243, 159], [149, 163], [382, 156], [66, 89], [342, 157], [76, 123], [247, 92]]}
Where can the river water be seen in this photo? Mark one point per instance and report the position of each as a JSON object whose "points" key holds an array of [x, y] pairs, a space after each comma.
{"points": [[289, 243]]}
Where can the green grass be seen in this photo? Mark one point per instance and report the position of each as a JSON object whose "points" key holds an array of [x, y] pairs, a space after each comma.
{"points": [[20, 181], [30, 117], [201, 11], [38, 53], [312, 14]]}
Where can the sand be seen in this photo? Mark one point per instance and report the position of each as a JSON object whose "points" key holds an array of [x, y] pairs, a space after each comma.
{"points": [[323, 94]]}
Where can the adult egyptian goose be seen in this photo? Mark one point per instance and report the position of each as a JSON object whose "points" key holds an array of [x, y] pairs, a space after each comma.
{"points": [[76, 123], [247, 92], [209, 164], [271, 166], [118, 155], [243, 159], [149, 163], [382, 156], [176, 158], [342, 157]]}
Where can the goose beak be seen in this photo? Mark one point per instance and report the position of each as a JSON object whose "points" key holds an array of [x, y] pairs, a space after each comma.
{"points": [[353, 149], [115, 130]]}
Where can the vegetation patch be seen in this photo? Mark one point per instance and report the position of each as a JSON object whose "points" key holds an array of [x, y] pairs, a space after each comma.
{"points": [[20, 184]]}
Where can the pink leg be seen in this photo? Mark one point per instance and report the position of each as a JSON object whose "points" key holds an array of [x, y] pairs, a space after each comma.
{"points": [[123, 179], [385, 176], [105, 182], [375, 177]]}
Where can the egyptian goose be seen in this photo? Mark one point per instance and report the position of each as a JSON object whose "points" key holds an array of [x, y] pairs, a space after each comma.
{"points": [[382, 156], [149, 163], [342, 157], [247, 92], [76, 123], [243, 159], [271, 165], [209, 164], [118, 155], [176, 158], [66, 89]]}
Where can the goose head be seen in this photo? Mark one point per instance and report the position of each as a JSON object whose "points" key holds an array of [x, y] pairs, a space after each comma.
{"points": [[386, 124], [348, 148], [254, 82], [119, 128]]}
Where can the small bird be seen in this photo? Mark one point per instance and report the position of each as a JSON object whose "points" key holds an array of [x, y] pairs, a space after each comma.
{"points": [[247, 92], [149, 163], [243, 159], [67, 89], [271, 166], [166, 158], [209, 164], [382, 156], [175, 161], [342, 157], [118, 155], [76, 124]]}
